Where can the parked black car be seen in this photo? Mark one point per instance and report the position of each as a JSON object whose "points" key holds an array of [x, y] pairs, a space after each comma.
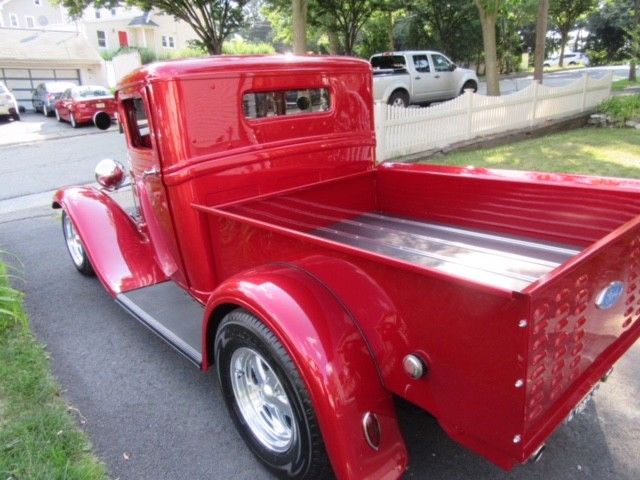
{"points": [[47, 94]]}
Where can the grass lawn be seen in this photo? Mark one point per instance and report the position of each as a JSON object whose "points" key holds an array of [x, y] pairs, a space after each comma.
{"points": [[612, 152], [38, 437], [620, 85]]}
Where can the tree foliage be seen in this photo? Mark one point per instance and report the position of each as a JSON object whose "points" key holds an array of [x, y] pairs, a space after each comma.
{"points": [[565, 14], [212, 20]]}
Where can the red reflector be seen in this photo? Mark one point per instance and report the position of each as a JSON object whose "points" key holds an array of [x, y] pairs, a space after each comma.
{"points": [[372, 431]]}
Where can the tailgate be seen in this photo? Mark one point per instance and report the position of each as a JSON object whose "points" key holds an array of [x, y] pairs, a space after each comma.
{"points": [[583, 317]]}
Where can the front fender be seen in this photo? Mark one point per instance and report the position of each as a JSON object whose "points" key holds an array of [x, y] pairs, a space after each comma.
{"points": [[333, 359], [121, 255]]}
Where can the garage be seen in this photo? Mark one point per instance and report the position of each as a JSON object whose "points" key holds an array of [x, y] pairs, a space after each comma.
{"points": [[22, 82], [29, 57]]}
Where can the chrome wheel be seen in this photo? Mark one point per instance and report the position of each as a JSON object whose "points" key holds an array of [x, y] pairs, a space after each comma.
{"points": [[398, 102], [262, 400], [74, 245]]}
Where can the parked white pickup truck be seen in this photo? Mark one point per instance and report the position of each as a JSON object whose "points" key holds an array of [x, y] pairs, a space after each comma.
{"points": [[403, 78]]}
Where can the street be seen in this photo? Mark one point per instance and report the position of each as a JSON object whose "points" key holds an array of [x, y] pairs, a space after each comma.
{"points": [[151, 415]]}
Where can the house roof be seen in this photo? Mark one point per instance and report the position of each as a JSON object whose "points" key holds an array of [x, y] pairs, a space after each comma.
{"points": [[45, 47], [143, 20]]}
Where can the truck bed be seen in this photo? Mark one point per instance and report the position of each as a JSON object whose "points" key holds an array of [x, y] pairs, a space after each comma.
{"points": [[498, 260]]}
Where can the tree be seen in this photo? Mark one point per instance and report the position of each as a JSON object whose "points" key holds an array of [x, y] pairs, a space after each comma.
{"points": [[541, 37], [347, 17], [488, 11], [212, 20], [565, 14], [635, 40], [299, 8]]}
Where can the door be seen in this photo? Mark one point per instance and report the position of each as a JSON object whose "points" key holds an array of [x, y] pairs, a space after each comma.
{"points": [[146, 170], [64, 105], [426, 86], [123, 39], [443, 69]]}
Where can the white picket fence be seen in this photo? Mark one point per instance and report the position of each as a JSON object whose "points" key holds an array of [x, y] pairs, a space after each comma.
{"points": [[406, 131]]}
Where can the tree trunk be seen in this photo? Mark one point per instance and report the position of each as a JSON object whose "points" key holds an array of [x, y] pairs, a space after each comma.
{"points": [[390, 45], [563, 43], [334, 42], [541, 37], [488, 22], [632, 64], [299, 8]]}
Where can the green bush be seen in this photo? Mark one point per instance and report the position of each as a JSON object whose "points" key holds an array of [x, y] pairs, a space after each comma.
{"points": [[10, 303], [622, 108], [242, 47]]}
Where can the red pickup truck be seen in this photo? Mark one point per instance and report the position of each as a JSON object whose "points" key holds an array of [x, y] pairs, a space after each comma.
{"points": [[267, 242]]}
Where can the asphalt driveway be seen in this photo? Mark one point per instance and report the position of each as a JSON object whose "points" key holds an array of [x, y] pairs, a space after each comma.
{"points": [[151, 415]]}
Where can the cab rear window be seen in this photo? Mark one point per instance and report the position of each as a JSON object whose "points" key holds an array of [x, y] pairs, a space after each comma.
{"points": [[285, 103]]}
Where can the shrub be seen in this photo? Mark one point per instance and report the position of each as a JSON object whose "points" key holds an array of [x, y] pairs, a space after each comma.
{"points": [[622, 108], [242, 47]]}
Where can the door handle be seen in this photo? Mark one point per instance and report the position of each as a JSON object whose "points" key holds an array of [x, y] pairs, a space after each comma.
{"points": [[150, 173], [418, 77]]}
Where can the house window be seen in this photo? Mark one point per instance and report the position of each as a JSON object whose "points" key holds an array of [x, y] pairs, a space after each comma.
{"points": [[114, 12], [29, 21], [102, 39], [13, 20], [37, 3], [97, 13], [168, 41]]}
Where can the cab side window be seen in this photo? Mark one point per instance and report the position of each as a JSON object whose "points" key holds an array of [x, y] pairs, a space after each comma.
{"points": [[422, 63], [137, 123], [440, 63]]}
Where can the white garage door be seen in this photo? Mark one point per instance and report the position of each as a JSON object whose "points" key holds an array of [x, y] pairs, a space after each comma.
{"points": [[24, 81]]}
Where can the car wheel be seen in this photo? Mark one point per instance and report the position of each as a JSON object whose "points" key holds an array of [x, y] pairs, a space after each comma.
{"points": [[45, 111], [267, 399], [57, 115], [72, 119], [75, 247], [469, 85], [15, 116], [571, 64], [399, 99]]}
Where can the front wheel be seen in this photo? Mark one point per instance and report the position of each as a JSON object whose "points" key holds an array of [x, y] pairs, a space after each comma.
{"points": [[75, 247], [268, 401], [398, 99], [469, 85]]}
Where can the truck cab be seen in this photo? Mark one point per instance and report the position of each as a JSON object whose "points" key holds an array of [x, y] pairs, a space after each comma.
{"points": [[266, 242]]}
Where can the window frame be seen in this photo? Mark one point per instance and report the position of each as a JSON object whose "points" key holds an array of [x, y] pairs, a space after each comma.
{"points": [[26, 21], [303, 115], [104, 33], [435, 66], [426, 57], [37, 3], [14, 20], [168, 41]]}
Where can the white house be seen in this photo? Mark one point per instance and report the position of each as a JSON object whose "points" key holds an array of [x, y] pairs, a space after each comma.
{"points": [[128, 26], [34, 14]]}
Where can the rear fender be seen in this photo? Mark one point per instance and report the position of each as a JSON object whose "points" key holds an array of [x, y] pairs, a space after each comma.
{"points": [[332, 358], [120, 253]]}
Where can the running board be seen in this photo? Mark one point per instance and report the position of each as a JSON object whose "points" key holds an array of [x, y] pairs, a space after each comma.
{"points": [[171, 313]]}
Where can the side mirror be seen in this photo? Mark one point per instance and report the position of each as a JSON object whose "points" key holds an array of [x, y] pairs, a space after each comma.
{"points": [[102, 120], [110, 174], [453, 67]]}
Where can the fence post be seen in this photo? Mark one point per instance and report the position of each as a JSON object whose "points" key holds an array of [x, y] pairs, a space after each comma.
{"points": [[380, 116], [534, 103], [469, 130], [584, 92]]}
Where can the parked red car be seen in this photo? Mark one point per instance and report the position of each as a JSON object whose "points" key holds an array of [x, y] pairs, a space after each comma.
{"points": [[80, 105]]}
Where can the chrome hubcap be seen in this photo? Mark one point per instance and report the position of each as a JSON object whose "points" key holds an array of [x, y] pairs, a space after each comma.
{"points": [[398, 102], [262, 401], [73, 242]]}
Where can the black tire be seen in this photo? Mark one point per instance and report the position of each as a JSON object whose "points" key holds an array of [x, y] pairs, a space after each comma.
{"points": [[79, 257], [305, 457], [469, 84], [399, 99], [15, 116]]}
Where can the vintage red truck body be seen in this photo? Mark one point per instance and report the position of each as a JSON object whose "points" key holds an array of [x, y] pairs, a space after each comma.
{"points": [[494, 279]]}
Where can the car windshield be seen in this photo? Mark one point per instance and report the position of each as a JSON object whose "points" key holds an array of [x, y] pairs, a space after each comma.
{"points": [[57, 87], [88, 92], [395, 62]]}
